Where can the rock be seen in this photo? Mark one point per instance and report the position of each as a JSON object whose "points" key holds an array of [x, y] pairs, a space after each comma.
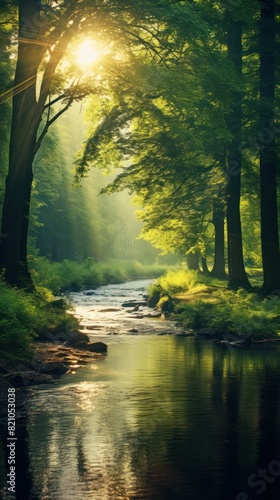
{"points": [[53, 368], [21, 379], [89, 294], [133, 330], [156, 314], [54, 337], [109, 309], [77, 337], [93, 327], [184, 334], [207, 332], [82, 345], [97, 347], [58, 303], [167, 306], [135, 303], [3, 367]]}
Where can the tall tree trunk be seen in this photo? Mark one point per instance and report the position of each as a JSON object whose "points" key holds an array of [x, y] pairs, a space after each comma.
{"points": [[26, 118], [25, 122], [236, 269], [218, 270], [269, 219], [205, 269], [193, 261]]}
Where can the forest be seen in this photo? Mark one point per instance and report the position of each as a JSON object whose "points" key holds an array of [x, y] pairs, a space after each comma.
{"points": [[139, 249], [146, 133]]}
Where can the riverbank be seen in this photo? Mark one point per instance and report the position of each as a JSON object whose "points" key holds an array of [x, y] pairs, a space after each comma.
{"points": [[49, 361], [70, 276], [28, 316], [205, 311], [208, 308]]}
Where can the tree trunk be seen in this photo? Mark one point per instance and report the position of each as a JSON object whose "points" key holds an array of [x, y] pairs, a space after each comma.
{"points": [[269, 219], [25, 122], [205, 269], [236, 269], [193, 261], [218, 270]]}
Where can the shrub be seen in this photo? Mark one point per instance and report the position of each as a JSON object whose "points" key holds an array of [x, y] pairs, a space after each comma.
{"points": [[25, 317]]}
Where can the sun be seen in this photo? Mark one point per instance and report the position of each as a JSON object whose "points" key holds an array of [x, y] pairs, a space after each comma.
{"points": [[87, 53]]}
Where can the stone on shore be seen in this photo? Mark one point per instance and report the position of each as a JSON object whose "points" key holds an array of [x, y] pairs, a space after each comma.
{"points": [[207, 332], [24, 379], [53, 368], [97, 347], [134, 303], [77, 337]]}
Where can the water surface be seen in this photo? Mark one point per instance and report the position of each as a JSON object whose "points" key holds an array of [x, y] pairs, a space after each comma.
{"points": [[162, 417]]}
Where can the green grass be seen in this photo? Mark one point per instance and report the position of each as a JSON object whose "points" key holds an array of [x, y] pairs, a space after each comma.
{"points": [[74, 276], [25, 317], [209, 304]]}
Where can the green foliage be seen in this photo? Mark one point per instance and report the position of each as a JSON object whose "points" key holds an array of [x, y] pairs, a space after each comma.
{"points": [[198, 305], [244, 315], [175, 281], [25, 317], [17, 313], [69, 275]]}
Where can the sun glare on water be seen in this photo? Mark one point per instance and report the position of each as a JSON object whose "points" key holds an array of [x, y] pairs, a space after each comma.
{"points": [[88, 52]]}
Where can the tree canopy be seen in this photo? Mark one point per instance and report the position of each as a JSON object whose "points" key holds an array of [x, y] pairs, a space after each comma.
{"points": [[181, 98]]}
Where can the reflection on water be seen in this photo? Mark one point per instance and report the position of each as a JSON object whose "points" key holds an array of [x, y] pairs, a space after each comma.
{"points": [[161, 418]]}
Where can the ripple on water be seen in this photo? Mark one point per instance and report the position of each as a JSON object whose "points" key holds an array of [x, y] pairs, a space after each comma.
{"points": [[161, 417]]}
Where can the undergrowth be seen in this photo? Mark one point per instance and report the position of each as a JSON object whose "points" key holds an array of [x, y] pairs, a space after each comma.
{"points": [[74, 276], [197, 306], [25, 317]]}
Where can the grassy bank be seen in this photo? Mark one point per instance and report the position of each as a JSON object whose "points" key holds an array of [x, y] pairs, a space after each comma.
{"points": [[199, 302], [74, 276], [25, 317]]}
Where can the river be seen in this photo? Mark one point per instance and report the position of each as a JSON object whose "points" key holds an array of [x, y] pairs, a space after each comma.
{"points": [[161, 417]]}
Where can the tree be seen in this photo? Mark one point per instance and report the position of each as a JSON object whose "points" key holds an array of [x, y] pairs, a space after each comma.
{"points": [[219, 265], [45, 31], [6, 69], [163, 129], [269, 213], [236, 270], [26, 117]]}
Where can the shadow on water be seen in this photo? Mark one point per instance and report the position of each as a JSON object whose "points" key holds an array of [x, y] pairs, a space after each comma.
{"points": [[24, 481]]}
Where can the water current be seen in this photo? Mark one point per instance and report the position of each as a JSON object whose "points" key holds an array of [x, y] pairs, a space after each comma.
{"points": [[163, 416]]}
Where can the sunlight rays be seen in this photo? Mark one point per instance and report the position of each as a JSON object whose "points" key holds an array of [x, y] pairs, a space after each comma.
{"points": [[87, 53]]}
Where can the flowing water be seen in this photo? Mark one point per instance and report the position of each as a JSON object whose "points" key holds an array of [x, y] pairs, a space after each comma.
{"points": [[161, 417]]}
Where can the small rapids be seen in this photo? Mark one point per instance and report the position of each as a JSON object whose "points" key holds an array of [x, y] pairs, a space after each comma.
{"points": [[101, 311]]}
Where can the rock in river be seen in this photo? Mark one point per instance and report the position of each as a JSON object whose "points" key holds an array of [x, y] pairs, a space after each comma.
{"points": [[53, 368], [134, 303], [77, 337], [97, 347]]}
